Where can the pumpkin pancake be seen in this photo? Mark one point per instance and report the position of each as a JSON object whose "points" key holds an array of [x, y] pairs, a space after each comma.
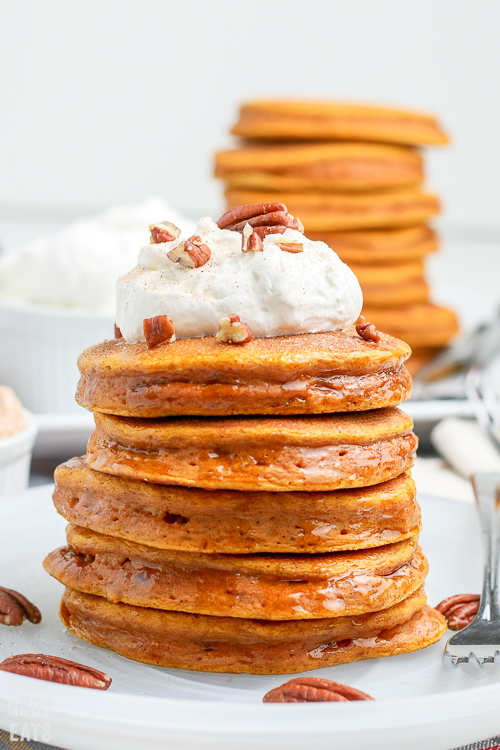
{"points": [[318, 120], [303, 374], [267, 587], [323, 452], [423, 326], [420, 358], [392, 285], [190, 519], [336, 167], [229, 644], [380, 246], [327, 212]]}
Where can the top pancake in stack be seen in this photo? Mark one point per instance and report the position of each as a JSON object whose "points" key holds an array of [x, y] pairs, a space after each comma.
{"points": [[333, 371]]}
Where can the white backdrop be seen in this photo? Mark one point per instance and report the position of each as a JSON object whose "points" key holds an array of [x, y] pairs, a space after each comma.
{"points": [[106, 101]]}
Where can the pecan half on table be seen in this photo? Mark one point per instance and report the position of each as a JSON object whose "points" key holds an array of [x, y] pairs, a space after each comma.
{"points": [[55, 669], [459, 610], [314, 690], [15, 608]]}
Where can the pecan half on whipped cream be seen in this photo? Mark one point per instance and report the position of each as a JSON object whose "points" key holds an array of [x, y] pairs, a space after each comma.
{"points": [[314, 690], [264, 218]]}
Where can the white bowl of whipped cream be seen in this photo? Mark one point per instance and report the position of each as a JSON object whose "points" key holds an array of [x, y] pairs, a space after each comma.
{"points": [[18, 430], [57, 297]]}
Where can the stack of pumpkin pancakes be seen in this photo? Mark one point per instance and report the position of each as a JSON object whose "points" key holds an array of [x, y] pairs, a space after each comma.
{"points": [[245, 508], [354, 176]]}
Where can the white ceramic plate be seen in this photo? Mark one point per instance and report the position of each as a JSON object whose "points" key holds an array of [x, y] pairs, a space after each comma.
{"points": [[419, 704]]}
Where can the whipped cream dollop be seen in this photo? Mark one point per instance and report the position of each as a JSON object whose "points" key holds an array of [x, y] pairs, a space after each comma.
{"points": [[274, 291], [12, 419], [79, 265]]}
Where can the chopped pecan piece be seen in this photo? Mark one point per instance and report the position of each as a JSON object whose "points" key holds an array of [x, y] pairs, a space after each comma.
{"points": [[118, 333], [459, 610], [291, 247], [264, 231], [157, 330], [367, 330], [250, 241], [55, 669], [314, 689], [165, 231], [15, 608], [191, 253], [233, 331]]}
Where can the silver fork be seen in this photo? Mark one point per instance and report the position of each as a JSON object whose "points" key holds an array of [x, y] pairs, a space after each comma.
{"points": [[481, 638]]}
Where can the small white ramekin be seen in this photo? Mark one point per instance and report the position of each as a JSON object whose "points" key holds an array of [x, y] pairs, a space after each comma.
{"points": [[15, 457], [39, 348]]}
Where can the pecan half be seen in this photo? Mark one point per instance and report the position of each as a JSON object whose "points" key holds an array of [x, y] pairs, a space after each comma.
{"points": [[291, 247], [249, 211], [191, 253], [459, 610], [367, 330], [118, 333], [250, 240], [15, 608], [165, 231], [55, 669], [260, 216], [233, 331], [157, 330], [314, 689]]}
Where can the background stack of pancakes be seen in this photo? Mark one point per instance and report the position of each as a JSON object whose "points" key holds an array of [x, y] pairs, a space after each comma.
{"points": [[354, 176], [245, 509]]}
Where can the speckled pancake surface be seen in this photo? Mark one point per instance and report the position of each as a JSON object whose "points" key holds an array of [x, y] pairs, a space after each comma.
{"points": [[190, 519], [422, 326], [337, 167], [380, 246], [325, 212], [317, 120], [302, 374], [228, 644], [267, 587], [322, 452]]}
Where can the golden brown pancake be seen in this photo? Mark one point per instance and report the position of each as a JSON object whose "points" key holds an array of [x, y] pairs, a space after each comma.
{"points": [[304, 374], [267, 587], [423, 326], [392, 285], [336, 167], [328, 212], [318, 120], [380, 246], [190, 519], [323, 452], [229, 644]]}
